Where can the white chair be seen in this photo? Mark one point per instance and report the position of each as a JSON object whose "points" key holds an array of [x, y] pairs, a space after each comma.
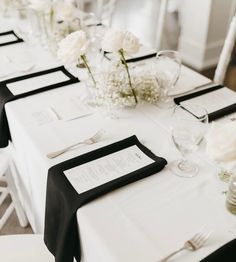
{"points": [[226, 53], [146, 19], [9, 189], [161, 23], [24, 248]]}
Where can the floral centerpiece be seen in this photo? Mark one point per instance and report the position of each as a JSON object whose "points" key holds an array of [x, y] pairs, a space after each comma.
{"points": [[120, 85], [122, 42], [115, 84]]}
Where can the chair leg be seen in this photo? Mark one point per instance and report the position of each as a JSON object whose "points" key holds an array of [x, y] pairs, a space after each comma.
{"points": [[6, 215], [15, 200], [4, 194]]}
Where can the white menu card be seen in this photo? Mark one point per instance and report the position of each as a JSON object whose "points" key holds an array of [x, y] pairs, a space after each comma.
{"points": [[37, 82], [214, 100], [7, 38], [102, 170]]}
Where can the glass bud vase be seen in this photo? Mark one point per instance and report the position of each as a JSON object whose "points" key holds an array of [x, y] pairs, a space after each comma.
{"points": [[231, 194]]}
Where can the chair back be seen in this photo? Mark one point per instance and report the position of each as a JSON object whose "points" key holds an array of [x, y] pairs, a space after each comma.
{"points": [[226, 53]]}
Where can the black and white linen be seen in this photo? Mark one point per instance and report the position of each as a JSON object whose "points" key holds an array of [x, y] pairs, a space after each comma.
{"points": [[6, 95], [223, 107], [62, 202]]}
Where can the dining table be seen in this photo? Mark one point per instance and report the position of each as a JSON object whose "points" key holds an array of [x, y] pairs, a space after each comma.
{"points": [[142, 221]]}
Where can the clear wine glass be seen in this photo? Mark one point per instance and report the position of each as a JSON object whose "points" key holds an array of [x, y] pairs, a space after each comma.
{"points": [[189, 125], [167, 71]]}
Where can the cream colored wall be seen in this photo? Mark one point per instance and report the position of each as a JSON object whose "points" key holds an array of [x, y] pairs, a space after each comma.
{"points": [[204, 25]]}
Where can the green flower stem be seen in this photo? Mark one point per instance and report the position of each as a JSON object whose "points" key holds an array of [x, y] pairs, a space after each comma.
{"points": [[121, 52], [84, 58]]}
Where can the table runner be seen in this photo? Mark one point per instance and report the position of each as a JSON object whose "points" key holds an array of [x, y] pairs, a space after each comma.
{"points": [[18, 39], [214, 115], [62, 201], [7, 96]]}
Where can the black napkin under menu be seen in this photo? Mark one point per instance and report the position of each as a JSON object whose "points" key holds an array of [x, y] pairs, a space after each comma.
{"points": [[214, 115], [18, 39], [62, 200], [226, 253], [7, 96]]}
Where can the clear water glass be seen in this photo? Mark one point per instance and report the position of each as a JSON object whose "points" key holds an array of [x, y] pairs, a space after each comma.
{"points": [[167, 72], [188, 130]]}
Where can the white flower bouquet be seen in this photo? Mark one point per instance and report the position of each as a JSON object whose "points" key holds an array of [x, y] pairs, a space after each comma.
{"points": [[122, 42]]}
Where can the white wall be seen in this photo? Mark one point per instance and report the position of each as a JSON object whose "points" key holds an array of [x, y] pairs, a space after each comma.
{"points": [[204, 25]]}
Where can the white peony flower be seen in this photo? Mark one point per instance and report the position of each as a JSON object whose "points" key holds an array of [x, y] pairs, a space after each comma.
{"points": [[122, 42], [72, 47], [40, 5], [64, 11], [113, 41], [116, 40], [130, 43]]}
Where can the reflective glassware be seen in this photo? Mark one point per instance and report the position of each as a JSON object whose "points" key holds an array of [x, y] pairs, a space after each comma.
{"points": [[188, 129], [167, 72]]}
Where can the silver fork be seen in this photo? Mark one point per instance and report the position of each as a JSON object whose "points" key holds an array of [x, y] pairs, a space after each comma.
{"points": [[193, 244], [88, 141]]}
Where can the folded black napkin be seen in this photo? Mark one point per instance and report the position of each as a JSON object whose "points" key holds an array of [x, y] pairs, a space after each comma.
{"points": [[135, 59], [214, 115], [62, 200], [226, 253], [7, 96], [18, 40]]}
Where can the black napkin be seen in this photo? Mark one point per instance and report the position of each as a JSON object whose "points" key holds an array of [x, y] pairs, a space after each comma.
{"points": [[18, 40], [7, 96], [226, 253], [62, 200], [135, 59], [214, 115]]}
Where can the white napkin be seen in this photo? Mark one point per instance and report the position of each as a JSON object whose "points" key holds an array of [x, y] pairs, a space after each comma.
{"points": [[71, 108], [221, 143]]}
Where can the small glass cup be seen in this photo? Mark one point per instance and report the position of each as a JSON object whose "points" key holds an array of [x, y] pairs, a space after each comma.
{"points": [[167, 72], [231, 194]]}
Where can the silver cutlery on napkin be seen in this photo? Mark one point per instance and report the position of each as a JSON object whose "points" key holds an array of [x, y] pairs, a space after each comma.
{"points": [[88, 141], [193, 244]]}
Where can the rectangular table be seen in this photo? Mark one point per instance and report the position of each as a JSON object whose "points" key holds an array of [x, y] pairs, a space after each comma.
{"points": [[143, 221], [140, 222]]}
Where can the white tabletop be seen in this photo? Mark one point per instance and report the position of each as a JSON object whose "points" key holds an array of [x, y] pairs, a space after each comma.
{"points": [[143, 221]]}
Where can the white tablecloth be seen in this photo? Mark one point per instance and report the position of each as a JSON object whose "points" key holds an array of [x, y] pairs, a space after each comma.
{"points": [[140, 222]]}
